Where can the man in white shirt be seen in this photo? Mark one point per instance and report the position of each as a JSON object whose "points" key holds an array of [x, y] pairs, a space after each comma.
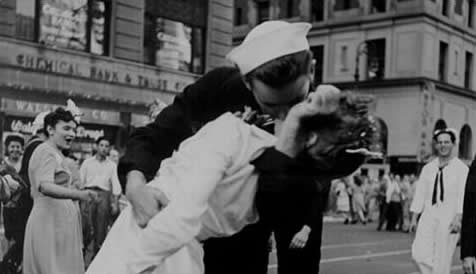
{"points": [[439, 199], [100, 174]]}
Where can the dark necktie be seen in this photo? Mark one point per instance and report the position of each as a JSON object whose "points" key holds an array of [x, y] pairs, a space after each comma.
{"points": [[438, 181]]}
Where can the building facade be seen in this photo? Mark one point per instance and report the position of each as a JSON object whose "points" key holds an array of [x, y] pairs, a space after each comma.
{"points": [[112, 57], [415, 56]]}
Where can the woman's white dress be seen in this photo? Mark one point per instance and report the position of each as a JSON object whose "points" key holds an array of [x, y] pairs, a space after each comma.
{"points": [[211, 186], [343, 202]]}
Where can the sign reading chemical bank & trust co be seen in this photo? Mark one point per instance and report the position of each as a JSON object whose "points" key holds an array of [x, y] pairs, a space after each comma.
{"points": [[89, 67]]}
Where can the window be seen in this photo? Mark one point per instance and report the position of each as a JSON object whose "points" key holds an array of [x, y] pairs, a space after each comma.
{"points": [[288, 8], [456, 62], [364, 172], [173, 44], [291, 12], [459, 7], [468, 70], [343, 58], [470, 13], [25, 20], [465, 140], [318, 53], [241, 12], [98, 27], [445, 7], [238, 17], [263, 11], [317, 10], [443, 56], [80, 25], [375, 59], [346, 4], [378, 6]]}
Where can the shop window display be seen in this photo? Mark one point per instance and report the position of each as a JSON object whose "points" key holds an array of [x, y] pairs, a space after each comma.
{"points": [[173, 44], [79, 25]]}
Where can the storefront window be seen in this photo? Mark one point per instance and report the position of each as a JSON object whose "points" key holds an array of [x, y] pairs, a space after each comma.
{"points": [[173, 44], [25, 20], [80, 25], [99, 25], [346, 4]]}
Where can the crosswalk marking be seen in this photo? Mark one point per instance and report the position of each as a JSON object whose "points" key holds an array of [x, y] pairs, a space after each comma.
{"points": [[358, 257], [453, 269], [359, 244]]}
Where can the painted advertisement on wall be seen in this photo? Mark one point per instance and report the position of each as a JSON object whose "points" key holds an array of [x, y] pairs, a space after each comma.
{"points": [[63, 23]]}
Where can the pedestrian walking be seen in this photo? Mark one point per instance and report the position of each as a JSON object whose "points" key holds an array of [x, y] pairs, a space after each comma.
{"points": [[382, 201], [438, 200], [53, 232], [99, 173], [394, 204], [407, 194], [372, 197], [343, 202], [358, 199]]}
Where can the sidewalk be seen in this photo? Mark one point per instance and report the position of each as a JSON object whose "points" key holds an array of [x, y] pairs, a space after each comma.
{"points": [[333, 219]]}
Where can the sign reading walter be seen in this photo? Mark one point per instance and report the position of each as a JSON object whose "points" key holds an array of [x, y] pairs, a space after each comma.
{"points": [[91, 67], [33, 108]]}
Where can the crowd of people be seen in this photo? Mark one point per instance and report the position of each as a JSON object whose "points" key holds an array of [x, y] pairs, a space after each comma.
{"points": [[50, 196], [243, 153], [385, 200]]}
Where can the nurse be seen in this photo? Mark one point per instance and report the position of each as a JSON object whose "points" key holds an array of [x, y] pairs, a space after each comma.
{"points": [[439, 200]]}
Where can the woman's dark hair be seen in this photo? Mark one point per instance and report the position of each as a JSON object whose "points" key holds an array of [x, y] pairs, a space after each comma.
{"points": [[352, 128], [282, 71], [351, 122], [102, 139], [14, 138], [60, 114], [358, 181]]}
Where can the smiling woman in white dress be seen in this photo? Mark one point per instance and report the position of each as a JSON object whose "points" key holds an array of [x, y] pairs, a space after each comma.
{"points": [[211, 185], [53, 240]]}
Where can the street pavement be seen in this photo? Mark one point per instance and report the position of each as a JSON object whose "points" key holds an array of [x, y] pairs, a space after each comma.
{"points": [[360, 249]]}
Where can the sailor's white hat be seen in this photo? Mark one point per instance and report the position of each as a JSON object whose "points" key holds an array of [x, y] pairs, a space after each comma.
{"points": [[268, 41]]}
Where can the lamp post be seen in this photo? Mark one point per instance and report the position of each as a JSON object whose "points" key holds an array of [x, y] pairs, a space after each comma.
{"points": [[361, 49]]}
